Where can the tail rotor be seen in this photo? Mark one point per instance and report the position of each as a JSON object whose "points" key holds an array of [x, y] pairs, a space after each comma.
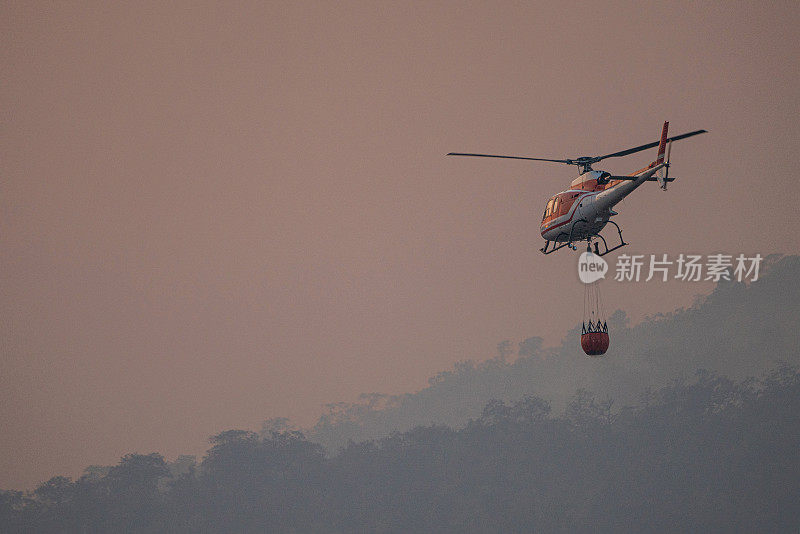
{"points": [[663, 174], [665, 142]]}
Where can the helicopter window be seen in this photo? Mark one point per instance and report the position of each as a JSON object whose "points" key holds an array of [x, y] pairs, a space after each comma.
{"points": [[549, 208]]}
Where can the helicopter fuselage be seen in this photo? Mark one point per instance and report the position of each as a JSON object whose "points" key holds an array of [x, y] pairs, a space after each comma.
{"points": [[582, 211]]}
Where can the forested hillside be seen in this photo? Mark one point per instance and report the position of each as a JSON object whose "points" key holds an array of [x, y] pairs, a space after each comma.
{"points": [[709, 455]]}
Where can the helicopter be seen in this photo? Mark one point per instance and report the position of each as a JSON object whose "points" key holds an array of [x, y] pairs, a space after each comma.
{"points": [[581, 212]]}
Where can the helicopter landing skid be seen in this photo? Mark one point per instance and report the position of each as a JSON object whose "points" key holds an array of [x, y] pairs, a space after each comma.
{"points": [[569, 243], [555, 247], [597, 251]]}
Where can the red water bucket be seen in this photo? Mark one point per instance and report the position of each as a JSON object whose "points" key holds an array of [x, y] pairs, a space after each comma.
{"points": [[594, 343]]}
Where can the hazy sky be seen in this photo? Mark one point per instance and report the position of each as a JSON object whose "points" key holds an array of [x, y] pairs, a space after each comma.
{"points": [[215, 214]]}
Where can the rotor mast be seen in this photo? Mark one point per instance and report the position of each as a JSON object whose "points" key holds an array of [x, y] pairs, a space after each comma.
{"points": [[584, 164]]}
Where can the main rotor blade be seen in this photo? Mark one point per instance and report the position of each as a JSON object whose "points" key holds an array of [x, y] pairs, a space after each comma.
{"points": [[645, 147], [508, 157]]}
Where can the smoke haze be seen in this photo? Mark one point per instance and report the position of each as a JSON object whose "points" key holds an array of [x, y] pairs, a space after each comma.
{"points": [[212, 215]]}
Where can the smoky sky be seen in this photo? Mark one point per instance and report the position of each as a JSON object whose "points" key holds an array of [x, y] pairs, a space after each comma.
{"points": [[213, 214]]}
